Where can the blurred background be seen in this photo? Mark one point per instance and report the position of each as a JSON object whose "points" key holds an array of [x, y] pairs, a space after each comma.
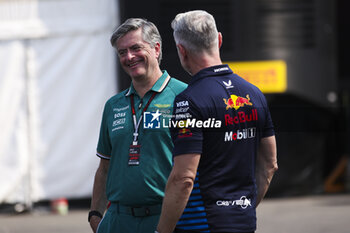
{"points": [[57, 69]]}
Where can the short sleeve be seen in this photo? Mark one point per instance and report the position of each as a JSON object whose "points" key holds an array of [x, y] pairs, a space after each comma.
{"points": [[187, 137], [104, 147], [268, 128]]}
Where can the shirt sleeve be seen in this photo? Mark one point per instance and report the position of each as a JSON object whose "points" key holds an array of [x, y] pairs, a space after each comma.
{"points": [[268, 128], [104, 146], [187, 138]]}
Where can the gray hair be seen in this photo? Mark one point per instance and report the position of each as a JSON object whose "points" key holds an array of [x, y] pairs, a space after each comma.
{"points": [[150, 33], [195, 30]]}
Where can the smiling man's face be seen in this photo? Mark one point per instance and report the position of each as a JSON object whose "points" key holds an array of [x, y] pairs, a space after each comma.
{"points": [[137, 57]]}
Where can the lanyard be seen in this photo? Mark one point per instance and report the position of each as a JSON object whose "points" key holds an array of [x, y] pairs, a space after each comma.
{"points": [[137, 123]]}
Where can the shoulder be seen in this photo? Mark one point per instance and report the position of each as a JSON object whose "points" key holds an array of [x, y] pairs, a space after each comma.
{"points": [[176, 86], [116, 99], [254, 92], [245, 84]]}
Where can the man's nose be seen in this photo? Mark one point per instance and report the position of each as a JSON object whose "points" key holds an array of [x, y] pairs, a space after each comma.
{"points": [[130, 55]]}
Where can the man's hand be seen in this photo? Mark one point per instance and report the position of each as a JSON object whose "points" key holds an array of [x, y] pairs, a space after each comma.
{"points": [[94, 221]]}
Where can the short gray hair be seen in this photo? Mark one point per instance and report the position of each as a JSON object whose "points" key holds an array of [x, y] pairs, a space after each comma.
{"points": [[150, 33], [195, 30]]}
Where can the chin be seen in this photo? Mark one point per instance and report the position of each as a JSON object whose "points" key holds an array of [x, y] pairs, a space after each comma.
{"points": [[135, 73]]}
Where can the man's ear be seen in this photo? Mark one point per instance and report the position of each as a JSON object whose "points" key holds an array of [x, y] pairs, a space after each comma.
{"points": [[157, 49], [220, 39], [181, 50]]}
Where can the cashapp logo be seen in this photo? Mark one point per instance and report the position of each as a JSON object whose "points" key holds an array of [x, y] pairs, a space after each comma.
{"points": [[151, 120]]}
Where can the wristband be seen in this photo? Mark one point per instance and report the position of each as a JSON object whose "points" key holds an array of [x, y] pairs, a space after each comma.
{"points": [[94, 213]]}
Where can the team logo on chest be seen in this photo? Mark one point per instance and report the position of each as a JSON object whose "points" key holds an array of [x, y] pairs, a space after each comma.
{"points": [[236, 102]]}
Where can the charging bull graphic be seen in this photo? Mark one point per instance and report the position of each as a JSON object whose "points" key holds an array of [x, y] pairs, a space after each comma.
{"points": [[236, 102]]}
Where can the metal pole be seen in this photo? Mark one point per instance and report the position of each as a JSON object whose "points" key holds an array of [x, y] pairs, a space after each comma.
{"points": [[28, 202]]}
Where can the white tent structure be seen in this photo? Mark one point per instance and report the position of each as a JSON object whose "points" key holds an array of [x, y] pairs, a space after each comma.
{"points": [[57, 69]]}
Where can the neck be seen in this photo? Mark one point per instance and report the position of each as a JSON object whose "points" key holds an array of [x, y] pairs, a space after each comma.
{"points": [[202, 61], [144, 84]]}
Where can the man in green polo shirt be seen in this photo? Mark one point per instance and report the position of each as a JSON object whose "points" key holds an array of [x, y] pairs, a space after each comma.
{"points": [[135, 145]]}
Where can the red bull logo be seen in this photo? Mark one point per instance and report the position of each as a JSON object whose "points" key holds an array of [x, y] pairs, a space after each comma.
{"points": [[184, 133], [236, 102]]}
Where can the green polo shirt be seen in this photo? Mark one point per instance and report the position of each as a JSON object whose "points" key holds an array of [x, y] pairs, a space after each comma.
{"points": [[143, 184]]}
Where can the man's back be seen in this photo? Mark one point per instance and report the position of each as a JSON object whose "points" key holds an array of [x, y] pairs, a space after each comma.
{"points": [[225, 184]]}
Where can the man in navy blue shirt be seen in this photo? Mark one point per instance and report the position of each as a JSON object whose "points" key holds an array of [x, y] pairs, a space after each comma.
{"points": [[225, 148]]}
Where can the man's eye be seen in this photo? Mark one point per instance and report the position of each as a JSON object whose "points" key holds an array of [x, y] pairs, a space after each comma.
{"points": [[121, 52], [136, 48]]}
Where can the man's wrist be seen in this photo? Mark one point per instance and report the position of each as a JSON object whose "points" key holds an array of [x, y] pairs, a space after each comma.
{"points": [[94, 213]]}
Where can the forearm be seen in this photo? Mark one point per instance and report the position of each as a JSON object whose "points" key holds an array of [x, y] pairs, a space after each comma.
{"points": [[266, 166], [99, 199], [176, 196], [177, 191], [263, 179]]}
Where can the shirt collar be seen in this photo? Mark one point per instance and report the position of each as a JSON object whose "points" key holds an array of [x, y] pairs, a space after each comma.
{"points": [[157, 87], [211, 71]]}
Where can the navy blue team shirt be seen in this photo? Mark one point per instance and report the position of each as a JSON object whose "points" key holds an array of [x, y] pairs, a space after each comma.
{"points": [[224, 117]]}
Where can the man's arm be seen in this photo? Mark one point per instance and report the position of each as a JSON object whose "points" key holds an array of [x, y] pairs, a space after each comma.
{"points": [[266, 165], [177, 191], [99, 199]]}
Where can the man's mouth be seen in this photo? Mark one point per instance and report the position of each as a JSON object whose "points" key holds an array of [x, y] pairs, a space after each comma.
{"points": [[133, 64]]}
